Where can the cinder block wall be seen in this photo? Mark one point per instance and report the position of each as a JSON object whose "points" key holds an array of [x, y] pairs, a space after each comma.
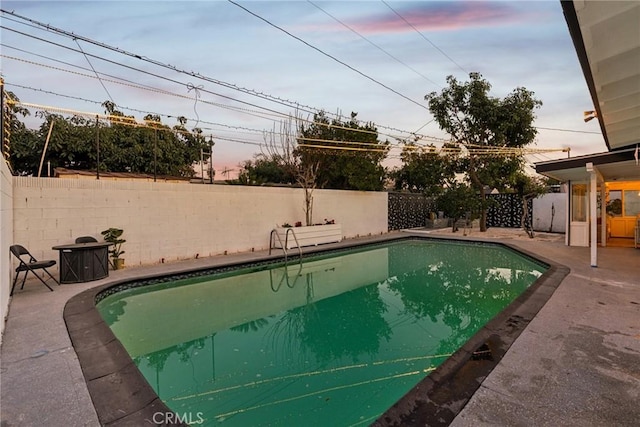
{"points": [[542, 212], [6, 237], [174, 220]]}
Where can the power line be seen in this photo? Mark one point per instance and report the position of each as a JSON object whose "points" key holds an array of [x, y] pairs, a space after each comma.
{"points": [[328, 55], [162, 91], [246, 111], [135, 86], [424, 37], [33, 23], [48, 58], [569, 130], [94, 70], [140, 71], [374, 44], [288, 103], [133, 109], [372, 147]]}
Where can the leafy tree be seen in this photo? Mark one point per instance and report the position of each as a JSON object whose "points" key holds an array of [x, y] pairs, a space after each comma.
{"points": [[296, 154], [262, 170], [24, 155], [459, 201], [346, 154], [476, 120], [125, 146], [424, 170]]}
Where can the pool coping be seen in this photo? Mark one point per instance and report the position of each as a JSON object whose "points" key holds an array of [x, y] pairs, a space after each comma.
{"points": [[122, 396]]}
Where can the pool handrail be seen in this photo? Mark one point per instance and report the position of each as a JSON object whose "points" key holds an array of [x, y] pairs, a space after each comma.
{"points": [[286, 242]]}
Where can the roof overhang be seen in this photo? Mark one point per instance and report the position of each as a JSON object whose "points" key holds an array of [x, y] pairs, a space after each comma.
{"points": [[620, 165], [606, 36]]}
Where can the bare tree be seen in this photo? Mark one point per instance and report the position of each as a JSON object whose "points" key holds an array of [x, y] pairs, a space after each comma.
{"points": [[307, 178], [281, 147]]}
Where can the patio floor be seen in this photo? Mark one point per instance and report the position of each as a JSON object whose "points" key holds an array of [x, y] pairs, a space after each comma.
{"points": [[577, 362]]}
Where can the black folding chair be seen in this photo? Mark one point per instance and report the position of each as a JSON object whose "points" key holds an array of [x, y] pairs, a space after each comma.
{"points": [[86, 239], [30, 266]]}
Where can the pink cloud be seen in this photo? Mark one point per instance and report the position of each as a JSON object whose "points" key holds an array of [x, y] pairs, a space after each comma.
{"points": [[441, 16]]}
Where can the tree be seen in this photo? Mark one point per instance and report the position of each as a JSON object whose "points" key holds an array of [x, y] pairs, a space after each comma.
{"points": [[23, 150], [424, 170], [347, 155], [459, 201], [262, 170], [125, 146], [325, 154], [528, 188], [280, 163], [476, 120]]}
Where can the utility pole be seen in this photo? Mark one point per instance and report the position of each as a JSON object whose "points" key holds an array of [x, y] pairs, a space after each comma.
{"points": [[155, 153], [97, 149], [5, 144], [210, 153], [211, 144]]}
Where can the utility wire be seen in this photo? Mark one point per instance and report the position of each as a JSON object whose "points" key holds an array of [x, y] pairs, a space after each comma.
{"points": [[369, 147], [151, 89], [94, 70], [570, 130], [162, 91], [141, 71], [374, 44], [424, 37], [327, 55], [170, 116], [246, 111], [291, 104], [48, 58], [73, 36], [35, 24]]}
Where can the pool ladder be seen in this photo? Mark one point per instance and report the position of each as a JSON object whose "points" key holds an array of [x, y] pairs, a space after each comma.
{"points": [[284, 246], [285, 277]]}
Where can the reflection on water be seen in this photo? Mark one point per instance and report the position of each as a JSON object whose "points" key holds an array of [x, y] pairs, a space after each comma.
{"points": [[334, 341]]}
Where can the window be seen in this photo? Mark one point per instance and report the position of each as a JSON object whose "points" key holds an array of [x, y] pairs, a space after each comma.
{"points": [[614, 203], [579, 202], [631, 202]]}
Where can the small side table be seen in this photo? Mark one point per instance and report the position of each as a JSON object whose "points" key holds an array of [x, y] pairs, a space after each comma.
{"points": [[83, 262]]}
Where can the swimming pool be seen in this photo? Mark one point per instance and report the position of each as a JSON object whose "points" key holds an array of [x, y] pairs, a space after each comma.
{"points": [[334, 340]]}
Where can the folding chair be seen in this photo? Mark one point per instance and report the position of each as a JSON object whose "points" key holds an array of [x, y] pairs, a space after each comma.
{"points": [[30, 266], [86, 239]]}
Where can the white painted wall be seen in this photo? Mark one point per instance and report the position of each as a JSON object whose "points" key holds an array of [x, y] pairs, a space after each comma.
{"points": [[177, 221], [6, 239], [542, 212]]}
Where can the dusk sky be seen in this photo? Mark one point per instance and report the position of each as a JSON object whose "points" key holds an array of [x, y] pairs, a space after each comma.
{"points": [[376, 58]]}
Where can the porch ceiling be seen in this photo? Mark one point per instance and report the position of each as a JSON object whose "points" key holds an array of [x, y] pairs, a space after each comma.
{"points": [[614, 166], [606, 35]]}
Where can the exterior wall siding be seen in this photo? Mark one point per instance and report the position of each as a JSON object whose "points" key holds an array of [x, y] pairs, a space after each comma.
{"points": [[549, 213]]}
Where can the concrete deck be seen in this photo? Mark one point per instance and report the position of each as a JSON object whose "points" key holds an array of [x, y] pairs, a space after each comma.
{"points": [[577, 362]]}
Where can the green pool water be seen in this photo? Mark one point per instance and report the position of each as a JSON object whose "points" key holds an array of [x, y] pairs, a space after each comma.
{"points": [[333, 341]]}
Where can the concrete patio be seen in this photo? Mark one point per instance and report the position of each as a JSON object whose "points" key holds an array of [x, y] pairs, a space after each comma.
{"points": [[577, 362]]}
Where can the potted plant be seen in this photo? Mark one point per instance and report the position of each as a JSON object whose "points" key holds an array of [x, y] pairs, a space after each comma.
{"points": [[308, 235], [113, 236]]}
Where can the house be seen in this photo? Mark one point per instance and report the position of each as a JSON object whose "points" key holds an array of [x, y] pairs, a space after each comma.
{"points": [[606, 36]]}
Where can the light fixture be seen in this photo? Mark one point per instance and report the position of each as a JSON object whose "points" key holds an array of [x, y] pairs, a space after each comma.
{"points": [[590, 115]]}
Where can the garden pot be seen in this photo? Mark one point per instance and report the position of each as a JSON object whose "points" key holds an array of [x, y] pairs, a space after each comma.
{"points": [[118, 263]]}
